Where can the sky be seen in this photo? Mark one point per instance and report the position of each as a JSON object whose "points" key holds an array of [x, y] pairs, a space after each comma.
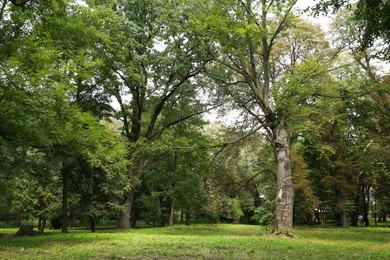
{"points": [[324, 21]]}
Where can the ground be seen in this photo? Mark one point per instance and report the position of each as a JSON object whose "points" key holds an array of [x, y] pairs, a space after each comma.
{"points": [[220, 241]]}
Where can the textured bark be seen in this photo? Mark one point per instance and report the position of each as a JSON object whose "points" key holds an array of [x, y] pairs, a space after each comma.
{"points": [[124, 219], [285, 190], [340, 209]]}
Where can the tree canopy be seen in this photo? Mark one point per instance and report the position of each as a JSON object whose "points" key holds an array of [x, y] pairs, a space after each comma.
{"points": [[104, 107]]}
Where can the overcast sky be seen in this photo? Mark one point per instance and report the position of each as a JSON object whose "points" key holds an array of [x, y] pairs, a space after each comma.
{"points": [[324, 21]]}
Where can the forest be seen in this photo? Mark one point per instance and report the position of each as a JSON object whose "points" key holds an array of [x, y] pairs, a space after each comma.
{"points": [[152, 113]]}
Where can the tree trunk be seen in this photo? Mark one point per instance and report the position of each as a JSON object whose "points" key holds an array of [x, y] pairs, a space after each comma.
{"points": [[124, 219], [92, 223], [355, 214], [172, 214], [285, 190], [18, 219], [366, 203], [188, 218], [375, 213], [65, 193], [160, 217], [42, 223], [323, 217], [340, 209]]}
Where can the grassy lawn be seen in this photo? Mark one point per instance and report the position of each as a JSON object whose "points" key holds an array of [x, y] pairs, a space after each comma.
{"points": [[201, 242]]}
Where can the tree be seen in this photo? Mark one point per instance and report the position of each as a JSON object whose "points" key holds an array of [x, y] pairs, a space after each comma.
{"points": [[371, 16], [151, 82], [306, 200], [247, 34], [38, 79], [370, 107]]}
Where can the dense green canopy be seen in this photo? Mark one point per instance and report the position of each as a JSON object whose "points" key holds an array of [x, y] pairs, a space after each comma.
{"points": [[104, 107]]}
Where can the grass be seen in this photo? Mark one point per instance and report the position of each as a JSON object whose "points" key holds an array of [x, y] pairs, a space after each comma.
{"points": [[201, 242]]}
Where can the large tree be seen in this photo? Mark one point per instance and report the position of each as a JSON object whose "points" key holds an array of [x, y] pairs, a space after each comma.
{"points": [[253, 67], [42, 69], [149, 62]]}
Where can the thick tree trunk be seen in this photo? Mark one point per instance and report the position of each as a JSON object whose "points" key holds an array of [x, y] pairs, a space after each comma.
{"points": [[340, 209], [65, 193], [285, 190], [124, 219]]}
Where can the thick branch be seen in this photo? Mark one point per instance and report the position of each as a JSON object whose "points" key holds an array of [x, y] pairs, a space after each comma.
{"points": [[167, 125], [163, 100]]}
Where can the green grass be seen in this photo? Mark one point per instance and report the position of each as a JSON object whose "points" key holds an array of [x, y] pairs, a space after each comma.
{"points": [[201, 242]]}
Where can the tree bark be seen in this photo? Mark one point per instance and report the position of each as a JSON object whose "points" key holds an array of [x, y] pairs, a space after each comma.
{"points": [[340, 209], [124, 219], [285, 190], [65, 193]]}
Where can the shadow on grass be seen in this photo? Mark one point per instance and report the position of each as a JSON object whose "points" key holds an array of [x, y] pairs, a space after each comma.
{"points": [[9, 241]]}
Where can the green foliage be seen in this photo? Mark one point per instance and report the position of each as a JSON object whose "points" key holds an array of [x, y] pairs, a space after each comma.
{"points": [[265, 214], [63, 61], [371, 18]]}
